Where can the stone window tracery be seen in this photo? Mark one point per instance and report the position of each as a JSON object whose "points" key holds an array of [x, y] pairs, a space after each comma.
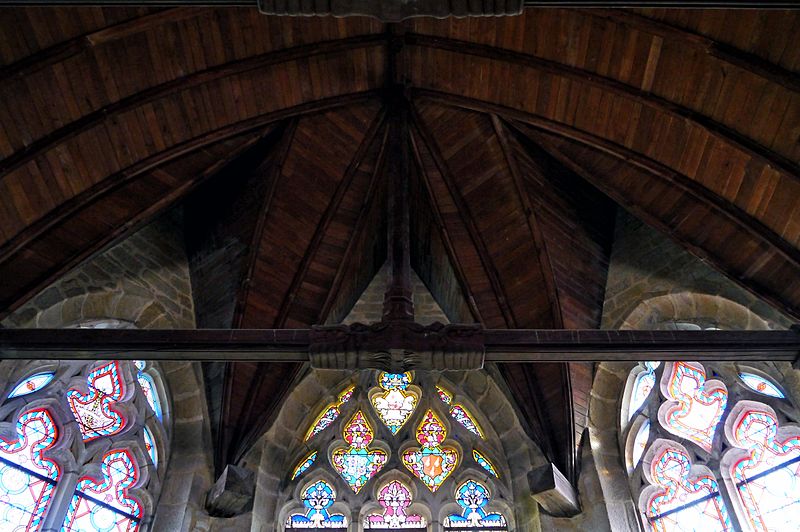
{"points": [[93, 419], [718, 452], [397, 459]]}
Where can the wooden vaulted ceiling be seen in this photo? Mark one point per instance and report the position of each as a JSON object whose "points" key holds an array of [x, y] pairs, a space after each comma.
{"points": [[525, 133]]}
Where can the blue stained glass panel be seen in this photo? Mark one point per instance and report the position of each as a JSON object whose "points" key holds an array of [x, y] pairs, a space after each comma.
{"points": [[761, 385], [31, 384]]}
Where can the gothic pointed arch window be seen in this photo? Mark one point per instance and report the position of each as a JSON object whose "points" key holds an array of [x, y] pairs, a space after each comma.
{"points": [[28, 478], [713, 447], [396, 459], [98, 420]]}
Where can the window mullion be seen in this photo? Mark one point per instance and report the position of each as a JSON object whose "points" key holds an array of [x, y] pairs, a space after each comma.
{"points": [[62, 496]]}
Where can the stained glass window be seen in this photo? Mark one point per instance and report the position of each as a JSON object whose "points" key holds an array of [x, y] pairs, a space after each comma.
{"points": [[150, 446], [682, 496], [444, 395], [329, 414], [93, 411], [484, 462], [148, 386], [760, 384], [27, 479], [460, 413], [395, 498], [317, 500], [31, 384], [106, 505], [395, 405], [473, 497], [304, 464], [765, 469], [696, 405], [643, 383], [357, 463], [431, 463], [639, 444]]}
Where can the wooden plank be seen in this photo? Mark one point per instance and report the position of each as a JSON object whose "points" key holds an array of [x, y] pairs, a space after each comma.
{"points": [[613, 86], [157, 92]]}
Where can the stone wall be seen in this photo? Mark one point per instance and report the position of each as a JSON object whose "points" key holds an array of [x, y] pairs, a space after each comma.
{"points": [[369, 306], [144, 278], [143, 281], [654, 284], [646, 264]]}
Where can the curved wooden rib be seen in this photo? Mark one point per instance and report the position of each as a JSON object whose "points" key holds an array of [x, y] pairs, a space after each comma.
{"points": [[163, 90]]}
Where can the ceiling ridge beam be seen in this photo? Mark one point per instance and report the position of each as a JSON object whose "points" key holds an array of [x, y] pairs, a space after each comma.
{"points": [[714, 128], [725, 207], [531, 220], [724, 52], [65, 49], [465, 217], [202, 77], [444, 234], [91, 194], [327, 217], [282, 152], [358, 229]]}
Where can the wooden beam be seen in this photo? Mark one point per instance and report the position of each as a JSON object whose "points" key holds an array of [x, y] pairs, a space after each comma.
{"points": [[501, 345], [534, 227], [258, 232], [461, 277], [398, 303], [72, 256], [465, 217], [68, 208], [66, 49], [90, 120], [358, 231], [716, 129], [728, 209], [327, 217], [724, 52]]}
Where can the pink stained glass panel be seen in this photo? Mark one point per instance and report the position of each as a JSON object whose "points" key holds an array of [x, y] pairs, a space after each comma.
{"points": [[27, 479], [395, 498]]}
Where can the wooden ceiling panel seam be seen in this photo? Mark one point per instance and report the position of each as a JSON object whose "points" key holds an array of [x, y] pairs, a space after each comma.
{"points": [[616, 87], [333, 206], [724, 52], [157, 92]]}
